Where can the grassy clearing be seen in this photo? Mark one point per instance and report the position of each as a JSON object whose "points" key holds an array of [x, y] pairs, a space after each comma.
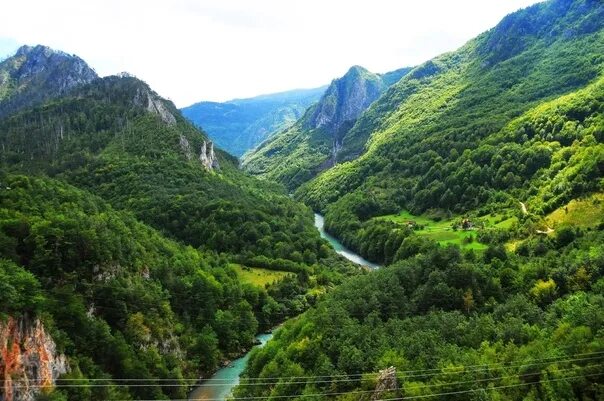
{"points": [[257, 276], [586, 212], [440, 231], [500, 220]]}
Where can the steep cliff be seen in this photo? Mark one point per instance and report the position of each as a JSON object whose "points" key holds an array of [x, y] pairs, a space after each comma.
{"points": [[30, 362], [314, 142], [149, 100], [345, 99], [207, 156]]}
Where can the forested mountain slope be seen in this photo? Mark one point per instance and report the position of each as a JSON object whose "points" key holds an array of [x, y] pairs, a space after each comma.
{"points": [[313, 143], [514, 115], [37, 73], [505, 327], [117, 298], [240, 125], [501, 143], [117, 138], [141, 279]]}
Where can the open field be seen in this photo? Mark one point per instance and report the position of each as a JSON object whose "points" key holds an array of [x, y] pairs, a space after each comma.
{"points": [[257, 276], [500, 220], [440, 231], [579, 212]]}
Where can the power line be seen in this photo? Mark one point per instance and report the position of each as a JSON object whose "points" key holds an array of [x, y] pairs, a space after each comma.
{"points": [[387, 399], [180, 383], [415, 373], [406, 373], [311, 382]]}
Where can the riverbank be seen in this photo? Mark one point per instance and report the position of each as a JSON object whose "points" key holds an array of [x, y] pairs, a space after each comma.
{"points": [[340, 248], [220, 385]]}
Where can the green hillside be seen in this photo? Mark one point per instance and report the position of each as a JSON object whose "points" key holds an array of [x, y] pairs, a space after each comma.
{"points": [[105, 140], [513, 116], [121, 299], [137, 257], [137, 280], [501, 140], [505, 327]]}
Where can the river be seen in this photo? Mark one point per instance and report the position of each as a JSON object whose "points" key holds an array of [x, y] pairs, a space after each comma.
{"points": [[220, 385], [339, 248]]}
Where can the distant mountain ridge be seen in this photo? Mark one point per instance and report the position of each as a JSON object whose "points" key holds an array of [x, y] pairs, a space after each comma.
{"points": [[312, 144], [38, 73], [240, 125]]}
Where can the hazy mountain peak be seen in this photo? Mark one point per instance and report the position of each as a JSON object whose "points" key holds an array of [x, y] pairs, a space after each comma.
{"points": [[38, 73], [314, 142]]}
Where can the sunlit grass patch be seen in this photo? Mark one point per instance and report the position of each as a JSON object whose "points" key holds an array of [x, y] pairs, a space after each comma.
{"points": [[258, 276]]}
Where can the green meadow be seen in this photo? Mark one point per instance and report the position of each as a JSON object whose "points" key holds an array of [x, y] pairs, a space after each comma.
{"points": [[257, 276], [442, 230]]}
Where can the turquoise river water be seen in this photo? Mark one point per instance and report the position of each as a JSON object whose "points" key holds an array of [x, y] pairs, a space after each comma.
{"points": [[221, 384]]}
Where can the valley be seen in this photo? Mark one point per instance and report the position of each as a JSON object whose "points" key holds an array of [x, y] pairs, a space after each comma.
{"points": [[432, 232], [220, 385]]}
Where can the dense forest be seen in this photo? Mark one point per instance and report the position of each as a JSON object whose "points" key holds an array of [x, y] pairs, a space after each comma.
{"points": [[548, 156], [513, 116], [142, 279], [477, 180], [103, 139], [455, 326], [145, 258]]}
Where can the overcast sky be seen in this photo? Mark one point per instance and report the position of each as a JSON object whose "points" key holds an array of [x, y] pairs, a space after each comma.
{"points": [[222, 49]]}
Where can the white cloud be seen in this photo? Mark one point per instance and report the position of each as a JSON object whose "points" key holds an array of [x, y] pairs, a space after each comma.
{"points": [[220, 49]]}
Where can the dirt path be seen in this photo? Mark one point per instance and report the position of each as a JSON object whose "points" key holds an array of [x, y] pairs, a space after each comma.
{"points": [[523, 206]]}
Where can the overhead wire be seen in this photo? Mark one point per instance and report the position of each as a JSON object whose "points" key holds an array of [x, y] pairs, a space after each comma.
{"points": [[314, 382], [402, 374], [289, 396], [179, 383], [586, 356]]}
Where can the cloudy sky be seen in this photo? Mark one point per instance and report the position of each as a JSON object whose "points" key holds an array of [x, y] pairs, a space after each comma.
{"points": [[191, 50]]}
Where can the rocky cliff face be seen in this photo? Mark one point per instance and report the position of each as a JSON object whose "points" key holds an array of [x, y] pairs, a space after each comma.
{"points": [[29, 361], [314, 143], [343, 102], [207, 157], [345, 99], [149, 100], [38, 73], [387, 385]]}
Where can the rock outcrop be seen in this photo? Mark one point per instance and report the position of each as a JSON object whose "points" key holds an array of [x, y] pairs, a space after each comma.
{"points": [[387, 384], [317, 140], [185, 146], [342, 104], [207, 157], [147, 99], [29, 361]]}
